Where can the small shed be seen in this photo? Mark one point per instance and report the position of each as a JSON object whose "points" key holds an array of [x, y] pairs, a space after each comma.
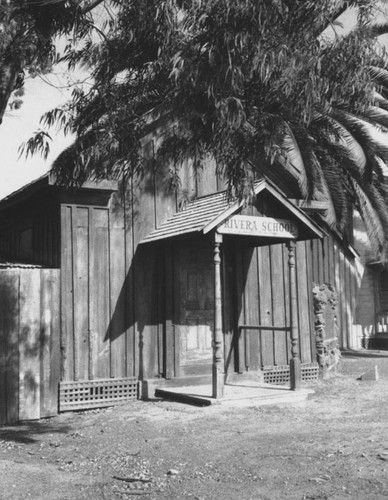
{"points": [[29, 341]]}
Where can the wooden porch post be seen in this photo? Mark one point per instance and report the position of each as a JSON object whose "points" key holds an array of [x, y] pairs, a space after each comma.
{"points": [[218, 355], [295, 369]]}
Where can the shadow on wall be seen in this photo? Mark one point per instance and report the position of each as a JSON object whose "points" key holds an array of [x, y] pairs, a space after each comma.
{"points": [[140, 298], [9, 345], [23, 338], [141, 294]]}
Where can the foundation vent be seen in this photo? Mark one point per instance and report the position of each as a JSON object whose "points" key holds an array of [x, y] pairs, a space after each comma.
{"points": [[281, 374], [83, 395]]}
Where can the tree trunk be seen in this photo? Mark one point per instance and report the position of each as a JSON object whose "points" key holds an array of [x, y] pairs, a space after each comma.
{"points": [[8, 75]]}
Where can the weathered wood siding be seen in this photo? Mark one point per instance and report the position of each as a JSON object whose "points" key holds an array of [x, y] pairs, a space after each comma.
{"points": [[335, 264], [30, 233], [85, 292], [263, 299], [115, 310], [29, 344], [118, 308]]}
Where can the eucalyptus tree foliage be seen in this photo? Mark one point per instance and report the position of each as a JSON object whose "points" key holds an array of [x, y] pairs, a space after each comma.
{"points": [[27, 30], [249, 82]]}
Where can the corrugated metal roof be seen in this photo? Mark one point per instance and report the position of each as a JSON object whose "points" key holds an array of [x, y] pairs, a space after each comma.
{"points": [[193, 217]]}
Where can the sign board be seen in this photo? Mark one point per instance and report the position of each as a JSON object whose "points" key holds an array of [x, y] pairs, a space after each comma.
{"points": [[249, 225]]}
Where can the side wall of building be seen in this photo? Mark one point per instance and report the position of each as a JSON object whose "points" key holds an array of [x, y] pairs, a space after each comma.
{"points": [[368, 304]]}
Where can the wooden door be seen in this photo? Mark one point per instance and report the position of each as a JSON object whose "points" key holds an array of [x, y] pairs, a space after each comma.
{"points": [[262, 299], [195, 322]]}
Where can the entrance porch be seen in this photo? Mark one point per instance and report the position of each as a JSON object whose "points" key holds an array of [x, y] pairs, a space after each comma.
{"points": [[233, 302]]}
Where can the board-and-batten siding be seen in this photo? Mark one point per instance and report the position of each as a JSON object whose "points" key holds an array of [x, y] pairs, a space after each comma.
{"points": [[334, 264], [125, 327], [264, 300], [88, 275], [263, 294], [113, 300], [29, 344]]}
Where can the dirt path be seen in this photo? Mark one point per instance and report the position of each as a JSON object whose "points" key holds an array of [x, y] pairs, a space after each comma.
{"points": [[333, 446]]}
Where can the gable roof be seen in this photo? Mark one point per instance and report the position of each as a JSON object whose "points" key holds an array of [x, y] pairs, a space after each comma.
{"points": [[46, 183], [206, 213]]}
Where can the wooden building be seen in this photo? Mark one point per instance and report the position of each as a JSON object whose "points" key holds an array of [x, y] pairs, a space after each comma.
{"points": [[156, 285]]}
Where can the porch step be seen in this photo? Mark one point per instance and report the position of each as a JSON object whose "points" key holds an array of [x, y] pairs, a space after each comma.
{"points": [[182, 397], [149, 386], [240, 394], [189, 380]]}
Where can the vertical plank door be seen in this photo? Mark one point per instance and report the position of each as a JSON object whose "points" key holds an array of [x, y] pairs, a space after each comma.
{"points": [[196, 310]]}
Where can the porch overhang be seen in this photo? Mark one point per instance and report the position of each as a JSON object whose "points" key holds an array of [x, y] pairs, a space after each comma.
{"points": [[47, 185], [206, 214]]}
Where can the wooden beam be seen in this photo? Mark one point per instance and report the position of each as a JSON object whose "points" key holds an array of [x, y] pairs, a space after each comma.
{"points": [[312, 205]]}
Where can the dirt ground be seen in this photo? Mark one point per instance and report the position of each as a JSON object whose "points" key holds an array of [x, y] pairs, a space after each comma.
{"points": [[333, 446]]}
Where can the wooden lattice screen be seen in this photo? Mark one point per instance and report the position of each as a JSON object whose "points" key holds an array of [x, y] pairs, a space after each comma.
{"points": [[281, 374], [82, 395]]}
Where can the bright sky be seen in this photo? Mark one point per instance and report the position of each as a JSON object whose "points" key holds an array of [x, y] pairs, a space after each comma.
{"points": [[19, 125], [41, 94]]}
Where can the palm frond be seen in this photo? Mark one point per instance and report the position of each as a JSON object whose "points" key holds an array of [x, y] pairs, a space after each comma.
{"points": [[373, 141], [377, 115], [354, 149], [380, 100], [322, 192], [374, 215], [379, 29], [294, 158], [380, 75], [334, 180]]}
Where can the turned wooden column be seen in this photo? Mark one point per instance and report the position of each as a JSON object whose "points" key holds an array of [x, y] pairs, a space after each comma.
{"points": [[218, 340], [295, 368]]}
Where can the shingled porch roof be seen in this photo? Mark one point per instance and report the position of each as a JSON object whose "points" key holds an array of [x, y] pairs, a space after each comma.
{"points": [[206, 213]]}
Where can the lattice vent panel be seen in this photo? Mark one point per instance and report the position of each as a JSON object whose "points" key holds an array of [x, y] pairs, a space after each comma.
{"points": [[281, 374], [82, 395]]}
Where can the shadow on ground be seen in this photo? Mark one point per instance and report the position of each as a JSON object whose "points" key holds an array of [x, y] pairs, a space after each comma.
{"points": [[29, 432]]}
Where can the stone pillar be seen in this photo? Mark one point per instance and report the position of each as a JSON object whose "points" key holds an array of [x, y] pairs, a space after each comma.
{"points": [[326, 328], [295, 368], [218, 340]]}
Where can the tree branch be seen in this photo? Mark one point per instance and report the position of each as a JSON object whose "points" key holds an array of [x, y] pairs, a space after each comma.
{"points": [[91, 6]]}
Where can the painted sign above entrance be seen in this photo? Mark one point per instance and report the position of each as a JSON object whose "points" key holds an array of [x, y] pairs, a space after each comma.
{"points": [[249, 225]]}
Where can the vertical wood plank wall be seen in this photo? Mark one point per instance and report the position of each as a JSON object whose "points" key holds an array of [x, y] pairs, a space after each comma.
{"points": [[335, 265], [123, 330], [115, 317], [112, 302], [264, 296], [29, 344]]}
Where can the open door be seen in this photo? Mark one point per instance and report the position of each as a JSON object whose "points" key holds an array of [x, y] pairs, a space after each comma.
{"points": [[195, 310]]}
